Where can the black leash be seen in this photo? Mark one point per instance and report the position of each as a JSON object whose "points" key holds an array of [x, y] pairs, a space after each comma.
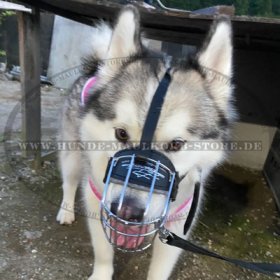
{"points": [[174, 240]]}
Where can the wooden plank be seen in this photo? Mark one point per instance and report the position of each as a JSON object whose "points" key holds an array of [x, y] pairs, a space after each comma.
{"points": [[29, 46]]}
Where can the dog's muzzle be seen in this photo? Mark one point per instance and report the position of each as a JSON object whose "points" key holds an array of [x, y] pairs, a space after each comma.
{"points": [[126, 227]]}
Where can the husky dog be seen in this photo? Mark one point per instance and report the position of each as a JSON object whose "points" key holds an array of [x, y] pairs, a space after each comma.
{"points": [[197, 108]]}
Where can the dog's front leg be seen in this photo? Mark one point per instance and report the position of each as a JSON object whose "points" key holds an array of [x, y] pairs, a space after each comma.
{"points": [[103, 252], [164, 256], [70, 162]]}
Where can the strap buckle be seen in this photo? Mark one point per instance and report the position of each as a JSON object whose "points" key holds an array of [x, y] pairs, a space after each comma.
{"points": [[164, 234]]}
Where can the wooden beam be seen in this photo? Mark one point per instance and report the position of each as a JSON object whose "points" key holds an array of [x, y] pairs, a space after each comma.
{"points": [[29, 49]]}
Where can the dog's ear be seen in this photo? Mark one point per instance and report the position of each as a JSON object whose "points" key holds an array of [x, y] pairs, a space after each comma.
{"points": [[125, 39], [216, 52], [215, 60]]}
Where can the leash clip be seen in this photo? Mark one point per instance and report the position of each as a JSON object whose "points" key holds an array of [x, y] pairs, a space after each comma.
{"points": [[163, 234]]}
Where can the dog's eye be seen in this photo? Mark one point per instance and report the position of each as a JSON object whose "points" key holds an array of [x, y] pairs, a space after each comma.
{"points": [[121, 135], [175, 145]]}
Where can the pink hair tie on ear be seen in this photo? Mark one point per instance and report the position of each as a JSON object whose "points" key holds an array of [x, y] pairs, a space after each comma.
{"points": [[85, 92]]}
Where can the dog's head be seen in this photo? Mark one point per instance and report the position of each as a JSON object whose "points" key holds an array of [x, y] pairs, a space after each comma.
{"points": [[197, 107]]}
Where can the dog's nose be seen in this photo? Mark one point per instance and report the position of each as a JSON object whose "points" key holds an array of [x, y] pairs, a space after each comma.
{"points": [[128, 211]]}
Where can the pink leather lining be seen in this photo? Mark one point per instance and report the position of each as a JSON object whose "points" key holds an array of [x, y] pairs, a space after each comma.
{"points": [[85, 92]]}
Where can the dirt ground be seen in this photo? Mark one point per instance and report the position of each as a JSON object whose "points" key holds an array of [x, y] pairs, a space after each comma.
{"points": [[239, 217]]}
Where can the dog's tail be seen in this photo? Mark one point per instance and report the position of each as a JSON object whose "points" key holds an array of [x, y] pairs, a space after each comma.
{"points": [[97, 49]]}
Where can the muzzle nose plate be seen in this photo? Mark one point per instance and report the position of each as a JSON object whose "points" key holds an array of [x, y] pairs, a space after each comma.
{"points": [[144, 169]]}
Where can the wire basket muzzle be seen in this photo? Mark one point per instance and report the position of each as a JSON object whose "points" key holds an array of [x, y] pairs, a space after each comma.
{"points": [[144, 171]]}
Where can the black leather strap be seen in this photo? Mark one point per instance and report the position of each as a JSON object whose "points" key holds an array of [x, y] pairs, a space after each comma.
{"points": [[154, 112], [264, 268], [193, 209]]}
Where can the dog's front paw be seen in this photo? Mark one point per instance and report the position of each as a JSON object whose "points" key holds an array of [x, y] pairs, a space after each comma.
{"points": [[65, 216]]}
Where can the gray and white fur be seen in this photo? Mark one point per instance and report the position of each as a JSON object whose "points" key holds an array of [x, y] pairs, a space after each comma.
{"points": [[198, 107]]}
